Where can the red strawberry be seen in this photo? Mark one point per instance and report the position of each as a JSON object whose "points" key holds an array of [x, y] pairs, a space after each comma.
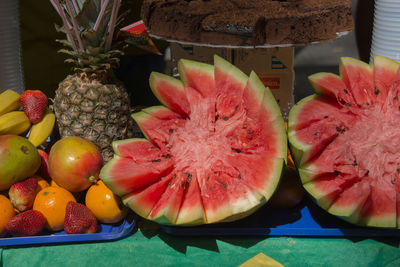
{"points": [[27, 223], [34, 103], [79, 219], [23, 194], [44, 165]]}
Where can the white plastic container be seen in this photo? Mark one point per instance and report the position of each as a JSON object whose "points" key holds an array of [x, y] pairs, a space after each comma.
{"points": [[11, 72], [386, 29]]}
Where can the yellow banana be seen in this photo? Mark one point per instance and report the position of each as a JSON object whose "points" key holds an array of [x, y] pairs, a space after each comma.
{"points": [[14, 122], [42, 130], [9, 101]]}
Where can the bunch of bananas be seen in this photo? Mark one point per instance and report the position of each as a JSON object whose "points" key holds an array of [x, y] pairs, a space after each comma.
{"points": [[13, 120]]}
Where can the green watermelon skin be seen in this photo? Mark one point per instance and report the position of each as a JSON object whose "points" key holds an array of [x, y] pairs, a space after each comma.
{"points": [[214, 151], [345, 140]]}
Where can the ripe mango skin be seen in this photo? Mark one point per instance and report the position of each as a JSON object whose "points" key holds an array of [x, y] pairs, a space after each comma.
{"points": [[19, 159]]}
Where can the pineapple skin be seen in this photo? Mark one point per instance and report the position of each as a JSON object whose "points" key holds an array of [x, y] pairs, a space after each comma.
{"points": [[96, 111]]}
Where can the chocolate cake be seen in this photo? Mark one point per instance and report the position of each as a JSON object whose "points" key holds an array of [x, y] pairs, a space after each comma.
{"points": [[247, 22]]}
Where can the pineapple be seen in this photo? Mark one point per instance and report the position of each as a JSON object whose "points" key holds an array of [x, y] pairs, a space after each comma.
{"points": [[92, 103]]}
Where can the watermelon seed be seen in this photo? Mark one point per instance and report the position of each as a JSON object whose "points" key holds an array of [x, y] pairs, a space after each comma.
{"points": [[239, 176], [208, 178], [348, 104], [244, 126], [169, 183], [336, 172], [345, 91], [183, 184], [354, 163], [376, 91], [316, 133], [188, 177], [249, 132], [171, 130], [156, 160], [366, 174], [339, 129], [225, 118], [236, 150], [167, 156], [398, 170], [396, 97], [326, 117], [393, 180], [174, 176]]}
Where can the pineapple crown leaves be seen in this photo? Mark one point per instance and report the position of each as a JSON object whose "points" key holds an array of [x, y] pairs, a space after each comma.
{"points": [[89, 26]]}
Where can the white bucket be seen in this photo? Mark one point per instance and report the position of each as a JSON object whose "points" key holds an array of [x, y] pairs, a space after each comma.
{"points": [[11, 73]]}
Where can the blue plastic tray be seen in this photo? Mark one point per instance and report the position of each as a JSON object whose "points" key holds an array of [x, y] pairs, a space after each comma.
{"points": [[107, 232], [307, 219]]}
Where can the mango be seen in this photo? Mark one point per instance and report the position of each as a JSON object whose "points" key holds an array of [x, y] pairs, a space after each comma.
{"points": [[19, 159]]}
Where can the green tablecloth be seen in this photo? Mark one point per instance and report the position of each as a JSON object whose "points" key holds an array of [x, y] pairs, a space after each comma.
{"points": [[155, 248]]}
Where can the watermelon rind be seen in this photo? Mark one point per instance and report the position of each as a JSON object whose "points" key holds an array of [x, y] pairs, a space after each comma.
{"points": [[244, 139], [140, 117], [343, 187], [299, 150], [105, 175], [186, 66], [177, 103], [230, 69], [361, 85]]}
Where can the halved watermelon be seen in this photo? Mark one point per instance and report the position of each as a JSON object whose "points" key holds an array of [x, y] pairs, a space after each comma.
{"points": [[346, 141], [215, 152]]}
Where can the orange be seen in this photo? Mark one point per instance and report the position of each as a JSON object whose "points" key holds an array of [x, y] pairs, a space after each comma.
{"points": [[105, 205], [42, 183], [6, 211], [53, 183], [51, 202]]}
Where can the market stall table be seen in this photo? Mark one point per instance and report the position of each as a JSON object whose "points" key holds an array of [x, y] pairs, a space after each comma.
{"points": [[149, 246]]}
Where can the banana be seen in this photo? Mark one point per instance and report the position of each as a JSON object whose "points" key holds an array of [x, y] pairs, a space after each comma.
{"points": [[42, 130], [14, 122], [9, 101]]}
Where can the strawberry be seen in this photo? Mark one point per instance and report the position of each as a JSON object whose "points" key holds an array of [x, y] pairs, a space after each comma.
{"points": [[44, 165], [27, 223], [22, 194], [34, 103], [79, 219]]}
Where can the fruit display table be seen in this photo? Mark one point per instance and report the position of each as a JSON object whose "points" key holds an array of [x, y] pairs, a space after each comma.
{"points": [[151, 247]]}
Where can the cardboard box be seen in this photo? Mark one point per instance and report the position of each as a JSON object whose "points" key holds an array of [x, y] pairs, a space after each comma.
{"points": [[274, 66], [198, 53]]}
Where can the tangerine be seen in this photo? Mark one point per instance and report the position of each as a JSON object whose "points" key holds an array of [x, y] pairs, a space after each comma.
{"points": [[51, 202], [105, 205], [6, 211]]}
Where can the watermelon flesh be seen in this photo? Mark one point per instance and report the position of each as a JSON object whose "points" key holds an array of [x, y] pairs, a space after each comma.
{"points": [[214, 152], [345, 140]]}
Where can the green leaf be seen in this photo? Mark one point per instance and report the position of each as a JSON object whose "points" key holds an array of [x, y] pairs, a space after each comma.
{"points": [[91, 38], [68, 52], [88, 14]]}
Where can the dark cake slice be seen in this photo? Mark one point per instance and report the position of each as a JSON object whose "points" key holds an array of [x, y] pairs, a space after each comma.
{"points": [[247, 23]]}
